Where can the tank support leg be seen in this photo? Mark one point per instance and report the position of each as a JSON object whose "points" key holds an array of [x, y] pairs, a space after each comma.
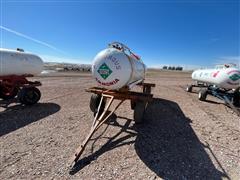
{"points": [[97, 123]]}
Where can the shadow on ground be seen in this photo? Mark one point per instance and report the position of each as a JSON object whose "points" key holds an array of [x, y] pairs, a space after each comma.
{"points": [[165, 142], [18, 116], [115, 141]]}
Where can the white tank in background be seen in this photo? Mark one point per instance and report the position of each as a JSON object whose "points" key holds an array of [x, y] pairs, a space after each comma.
{"points": [[18, 62], [223, 76], [117, 67]]}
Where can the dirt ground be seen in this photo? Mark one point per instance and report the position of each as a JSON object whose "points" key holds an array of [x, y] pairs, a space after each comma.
{"points": [[181, 137]]}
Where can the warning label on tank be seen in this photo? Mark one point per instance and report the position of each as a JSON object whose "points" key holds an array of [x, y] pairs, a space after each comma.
{"points": [[235, 77], [104, 71]]}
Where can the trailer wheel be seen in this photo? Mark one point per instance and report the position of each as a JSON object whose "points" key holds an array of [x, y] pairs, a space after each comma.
{"points": [[147, 89], [202, 95], [189, 88], [29, 96], [139, 112], [133, 104], [236, 98], [8, 95], [94, 103]]}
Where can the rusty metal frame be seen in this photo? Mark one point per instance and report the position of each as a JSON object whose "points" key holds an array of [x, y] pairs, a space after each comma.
{"points": [[19, 81], [9, 83], [100, 119], [97, 123]]}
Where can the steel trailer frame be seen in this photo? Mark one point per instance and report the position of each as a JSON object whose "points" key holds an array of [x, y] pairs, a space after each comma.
{"points": [[229, 97], [19, 81], [13, 85], [101, 117]]}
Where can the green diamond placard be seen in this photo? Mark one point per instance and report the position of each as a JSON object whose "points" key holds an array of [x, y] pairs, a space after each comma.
{"points": [[104, 71], [235, 77]]}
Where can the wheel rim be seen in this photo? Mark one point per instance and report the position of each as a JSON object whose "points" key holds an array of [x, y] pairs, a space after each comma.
{"points": [[199, 95], [31, 96]]}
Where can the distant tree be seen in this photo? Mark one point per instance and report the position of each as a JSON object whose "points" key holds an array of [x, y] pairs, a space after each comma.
{"points": [[179, 68], [169, 67], [173, 68], [165, 67]]}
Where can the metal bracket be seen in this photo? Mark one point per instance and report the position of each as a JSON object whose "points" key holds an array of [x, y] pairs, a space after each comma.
{"points": [[98, 121]]}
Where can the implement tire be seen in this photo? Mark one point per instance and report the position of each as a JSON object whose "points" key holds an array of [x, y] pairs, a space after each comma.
{"points": [[29, 96], [189, 88], [139, 112], [94, 103], [202, 95], [236, 98]]}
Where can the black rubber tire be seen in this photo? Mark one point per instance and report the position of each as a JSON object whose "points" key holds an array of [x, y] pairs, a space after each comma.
{"points": [[147, 90], [236, 99], [94, 103], [202, 95], [29, 96], [189, 88], [9, 96], [139, 112], [133, 104]]}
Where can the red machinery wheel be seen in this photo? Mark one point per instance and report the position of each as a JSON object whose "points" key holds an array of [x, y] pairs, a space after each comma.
{"points": [[29, 96], [8, 93]]}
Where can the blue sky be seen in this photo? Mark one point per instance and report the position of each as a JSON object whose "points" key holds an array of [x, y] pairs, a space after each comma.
{"points": [[162, 32]]}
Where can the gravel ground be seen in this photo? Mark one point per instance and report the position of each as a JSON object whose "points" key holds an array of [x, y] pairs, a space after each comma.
{"points": [[181, 138]]}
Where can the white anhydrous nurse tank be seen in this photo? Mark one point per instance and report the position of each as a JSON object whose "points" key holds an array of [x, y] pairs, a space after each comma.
{"points": [[117, 67], [17, 62], [224, 76]]}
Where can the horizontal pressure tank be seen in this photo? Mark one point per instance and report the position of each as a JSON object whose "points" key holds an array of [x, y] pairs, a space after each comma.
{"points": [[18, 62], [114, 68], [224, 77]]}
